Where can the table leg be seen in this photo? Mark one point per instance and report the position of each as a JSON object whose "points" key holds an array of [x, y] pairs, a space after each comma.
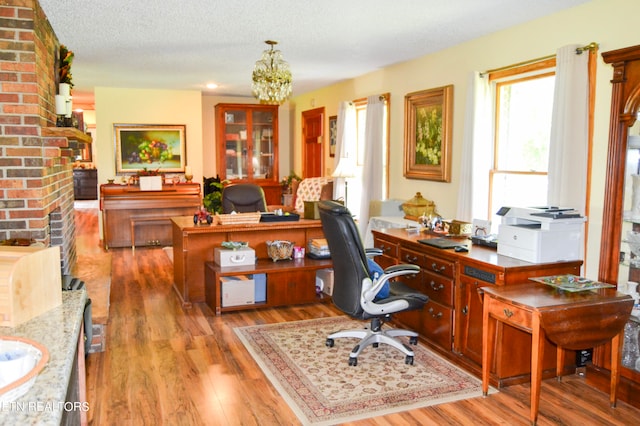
{"points": [[560, 355], [537, 356], [616, 344], [488, 344]]}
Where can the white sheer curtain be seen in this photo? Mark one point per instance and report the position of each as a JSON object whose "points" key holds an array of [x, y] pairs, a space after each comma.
{"points": [[345, 146], [372, 173], [569, 143], [477, 150]]}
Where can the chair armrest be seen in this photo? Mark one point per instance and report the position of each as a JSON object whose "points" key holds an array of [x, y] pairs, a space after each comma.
{"points": [[390, 272], [402, 269], [371, 252]]}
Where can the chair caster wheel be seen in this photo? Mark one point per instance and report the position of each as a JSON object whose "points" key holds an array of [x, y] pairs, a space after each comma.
{"points": [[353, 361], [408, 360], [375, 345], [413, 340], [329, 343]]}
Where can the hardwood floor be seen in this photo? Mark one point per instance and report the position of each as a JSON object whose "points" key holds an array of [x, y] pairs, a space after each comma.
{"points": [[166, 365]]}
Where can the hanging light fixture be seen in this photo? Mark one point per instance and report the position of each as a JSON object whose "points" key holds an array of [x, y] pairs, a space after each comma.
{"points": [[271, 77]]}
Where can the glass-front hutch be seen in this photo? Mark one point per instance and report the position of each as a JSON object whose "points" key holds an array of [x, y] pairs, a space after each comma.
{"points": [[620, 242], [247, 144]]}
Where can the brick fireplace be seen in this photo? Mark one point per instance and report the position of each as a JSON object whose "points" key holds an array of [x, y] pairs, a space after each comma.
{"points": [[36, 177]]}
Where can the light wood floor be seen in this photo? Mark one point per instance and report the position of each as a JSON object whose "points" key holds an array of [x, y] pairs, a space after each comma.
{"points": [[167, 366]]}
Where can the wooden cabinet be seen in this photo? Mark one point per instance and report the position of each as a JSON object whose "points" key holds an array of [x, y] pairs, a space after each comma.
{"points": [[85, 184], [451, 321], [129, 214], [617, 220], [247, 141], [288, 283]]}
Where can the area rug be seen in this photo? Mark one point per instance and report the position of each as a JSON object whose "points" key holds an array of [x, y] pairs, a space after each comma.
{"points": [[321, 388]]}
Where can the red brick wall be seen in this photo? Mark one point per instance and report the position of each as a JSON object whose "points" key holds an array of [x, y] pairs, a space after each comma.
{"points": [[36, 177]]}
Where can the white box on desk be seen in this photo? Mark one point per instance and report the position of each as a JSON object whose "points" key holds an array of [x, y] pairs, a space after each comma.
{"points": [[239, 257], [238, 290]]}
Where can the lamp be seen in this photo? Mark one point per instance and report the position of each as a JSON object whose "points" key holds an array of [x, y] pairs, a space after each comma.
{"points": [[271, 77], [344, 171]]}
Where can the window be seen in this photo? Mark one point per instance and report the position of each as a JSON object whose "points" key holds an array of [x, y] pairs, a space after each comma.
{"points": [[523, 109], [355, 185]]}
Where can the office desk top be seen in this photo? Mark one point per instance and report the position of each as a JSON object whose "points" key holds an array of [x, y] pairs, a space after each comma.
{"points": [[571, 320], [193, 246]]}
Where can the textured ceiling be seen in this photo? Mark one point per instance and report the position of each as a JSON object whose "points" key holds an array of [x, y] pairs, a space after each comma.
{"points": [[169, 44]]}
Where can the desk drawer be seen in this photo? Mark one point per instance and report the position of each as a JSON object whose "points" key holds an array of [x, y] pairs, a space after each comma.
{"points": [[438, 288], [510, 314], [439, 266], [412, 257], [388, 248], [437, 323]]}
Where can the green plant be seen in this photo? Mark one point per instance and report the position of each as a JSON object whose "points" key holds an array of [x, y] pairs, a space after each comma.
{"points": [[213, 200], [286, 182]]}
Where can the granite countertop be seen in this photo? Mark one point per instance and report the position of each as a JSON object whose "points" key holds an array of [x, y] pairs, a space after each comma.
{"points": [[57, 330]]}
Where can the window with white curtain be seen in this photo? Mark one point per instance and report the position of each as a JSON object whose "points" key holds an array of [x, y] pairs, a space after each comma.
{"points": [[523, 105], [356, 184]]}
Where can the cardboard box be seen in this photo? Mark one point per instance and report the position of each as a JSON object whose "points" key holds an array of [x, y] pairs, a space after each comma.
{"points": [[237, 290], [240, 257], [324, 281], [30, 283]]}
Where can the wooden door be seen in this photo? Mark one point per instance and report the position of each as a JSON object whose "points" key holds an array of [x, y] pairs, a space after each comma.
{"points": [[313, 142]]}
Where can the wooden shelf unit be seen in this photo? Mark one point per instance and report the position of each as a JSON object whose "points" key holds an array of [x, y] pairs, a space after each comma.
{"points": [[289, 282], [67, 132], [247, 141]]}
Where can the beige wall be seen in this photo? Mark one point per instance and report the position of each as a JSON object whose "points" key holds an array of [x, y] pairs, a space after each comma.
{"points": [[145, 106], [610, 23]]}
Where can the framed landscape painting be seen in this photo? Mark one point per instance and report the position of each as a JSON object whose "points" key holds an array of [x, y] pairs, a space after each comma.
{"points": [[152, 147], [427, 135]]}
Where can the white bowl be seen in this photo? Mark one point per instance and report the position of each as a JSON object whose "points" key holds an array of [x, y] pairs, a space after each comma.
{"points": [[21, 360]]}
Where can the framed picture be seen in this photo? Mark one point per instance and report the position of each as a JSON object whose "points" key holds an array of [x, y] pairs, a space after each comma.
{"points": [[150, 146], [427, 134], [333, 135]]}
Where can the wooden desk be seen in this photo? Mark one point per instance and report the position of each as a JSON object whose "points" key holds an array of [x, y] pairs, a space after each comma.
{"points": [[193, 246], [578, 320]]}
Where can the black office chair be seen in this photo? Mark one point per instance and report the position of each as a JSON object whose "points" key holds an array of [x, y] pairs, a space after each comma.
{"points": [[243, 198], [354, 291]]}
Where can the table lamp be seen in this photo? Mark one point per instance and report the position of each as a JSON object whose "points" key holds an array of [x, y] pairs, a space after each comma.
{"points": [[345, 172]]}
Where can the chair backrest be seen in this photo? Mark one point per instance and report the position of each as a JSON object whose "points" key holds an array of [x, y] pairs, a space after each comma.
{"points": [[243, 198], [347, 255], [310, 189]]}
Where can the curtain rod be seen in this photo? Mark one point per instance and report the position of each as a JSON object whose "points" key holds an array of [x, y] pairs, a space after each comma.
{"points": [[591, 47]]}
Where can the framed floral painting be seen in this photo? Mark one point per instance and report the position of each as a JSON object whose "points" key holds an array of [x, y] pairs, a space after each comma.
{"points": [[427, 134], [158, 147]]}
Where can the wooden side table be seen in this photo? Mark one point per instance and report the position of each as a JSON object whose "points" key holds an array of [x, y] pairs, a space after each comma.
{"points": [[571, 320]]}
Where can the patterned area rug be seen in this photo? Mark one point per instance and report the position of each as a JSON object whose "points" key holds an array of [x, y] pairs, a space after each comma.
{"points": [[321, 388]]}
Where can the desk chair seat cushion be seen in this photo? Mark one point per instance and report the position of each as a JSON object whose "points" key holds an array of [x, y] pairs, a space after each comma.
{"points": [[243, 198]]}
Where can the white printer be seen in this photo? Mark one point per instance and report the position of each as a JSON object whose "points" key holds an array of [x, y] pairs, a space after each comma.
{"points": [[541, 234]]}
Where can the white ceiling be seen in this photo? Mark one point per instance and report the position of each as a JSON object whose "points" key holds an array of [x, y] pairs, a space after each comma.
{"points": [[184, 44]]}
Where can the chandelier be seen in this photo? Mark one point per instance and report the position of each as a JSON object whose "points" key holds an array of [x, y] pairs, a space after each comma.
{"points": [[271, 77]]}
